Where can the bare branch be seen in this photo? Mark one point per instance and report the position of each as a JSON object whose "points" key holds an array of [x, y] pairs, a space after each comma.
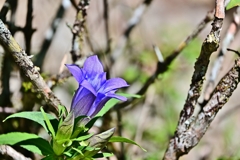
{"points": [[50, 35], [26, 66], [7, 150], [4, 10], [190, 132], [78, 29], [232, 31], [191, 129], [163, 66], [134, 20], [105, 16], [209, 46], [28, 30]]}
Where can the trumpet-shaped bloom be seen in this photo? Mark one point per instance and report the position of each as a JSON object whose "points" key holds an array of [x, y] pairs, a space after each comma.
{"points": [[94, 89]]}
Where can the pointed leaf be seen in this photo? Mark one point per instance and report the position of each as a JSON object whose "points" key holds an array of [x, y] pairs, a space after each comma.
{"points": [[50, 157], [91, 122], [62, 111], [82, 138], [28, 141], [49, 125], [101, 155], [125, 140], [233, 3], [112, 102], [130, 95], [34, 116], [66, 128]]}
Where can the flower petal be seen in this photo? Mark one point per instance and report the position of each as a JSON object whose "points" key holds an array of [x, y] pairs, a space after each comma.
{"points": [[82, 104], [121, 98], [100, 101], [76, 72], [93, 66], [79, 94], [89, 87], [98, 80], [113, 84]]}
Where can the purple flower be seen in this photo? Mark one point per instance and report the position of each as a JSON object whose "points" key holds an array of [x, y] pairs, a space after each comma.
{"points": [[94, 90]]}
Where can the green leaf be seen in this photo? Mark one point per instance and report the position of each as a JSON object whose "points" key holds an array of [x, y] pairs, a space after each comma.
{"points": [[101, 155], [233, 3], [34, 116], [112, 102], [130, 95], [62, 139], [82, 138], [125, 140], [91, 122], [62, 111], [50, 157], [65, 129], [28, 141], [49, 125]]}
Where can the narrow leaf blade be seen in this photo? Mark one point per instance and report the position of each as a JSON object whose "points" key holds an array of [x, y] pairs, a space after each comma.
{"points": [[112, 102], [125, 140], [101, 155], [49, 125], [233, 3], [82, 138]]}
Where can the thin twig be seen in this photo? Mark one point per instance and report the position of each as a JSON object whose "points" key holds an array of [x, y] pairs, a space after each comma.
{"points": [[39, 59], [105, 17], [9, 151], [121, 154], [143, 118], [28, 30], [74, 4], [4, 11], [6, 66], [134, 20], [26, 66], [162, 67], [189, 133], [8, 110], [78, 29]]}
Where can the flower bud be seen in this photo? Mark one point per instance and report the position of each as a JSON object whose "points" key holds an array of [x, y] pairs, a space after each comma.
{"points": [[63, 134]]}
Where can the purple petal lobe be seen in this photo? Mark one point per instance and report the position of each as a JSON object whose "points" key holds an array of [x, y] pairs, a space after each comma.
{"points": [[83, 105], [79, 94], [98, 80], [117, 97], [113, 84], [93, 66], [88, 86], [76, 72], [100, 101]]}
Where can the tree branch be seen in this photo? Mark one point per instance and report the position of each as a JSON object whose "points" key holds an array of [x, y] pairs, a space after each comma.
{"points": [[191, 129], [229, 37], [163, 66], [189, 133], [7, 150], [134, 20], [78, 28], [26, 66]]}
